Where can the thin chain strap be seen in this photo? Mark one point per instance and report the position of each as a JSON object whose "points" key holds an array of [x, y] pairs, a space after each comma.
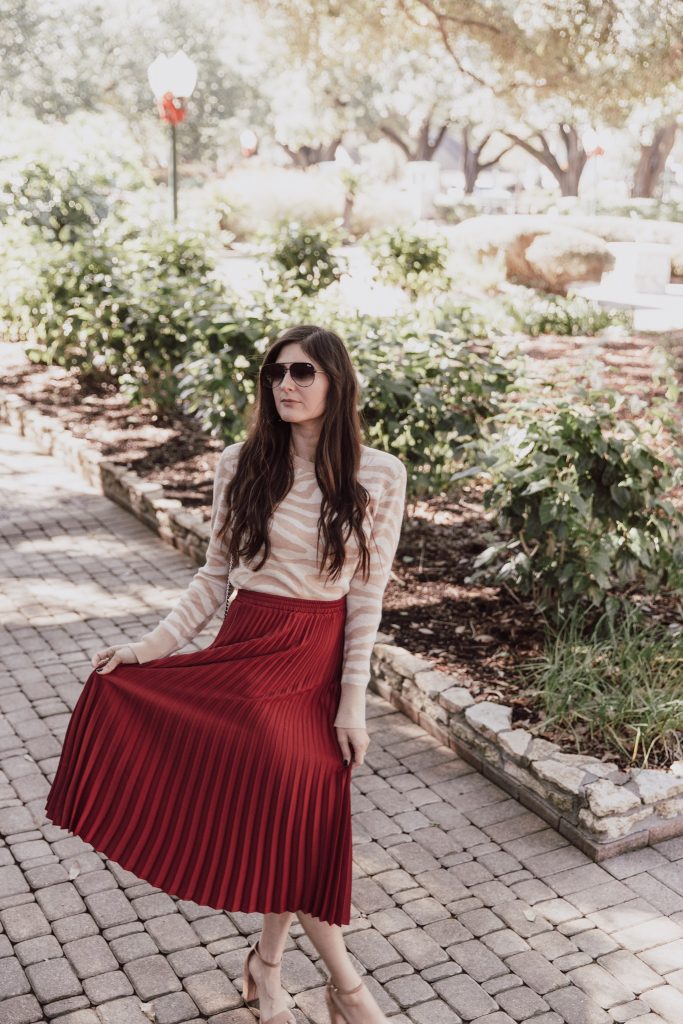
{"points": [[227, 588]]}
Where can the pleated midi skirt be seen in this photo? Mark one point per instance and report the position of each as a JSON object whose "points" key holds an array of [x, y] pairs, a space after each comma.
{"points": [[216, 775]]}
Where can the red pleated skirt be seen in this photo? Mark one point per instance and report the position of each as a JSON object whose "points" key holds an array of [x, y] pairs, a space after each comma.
{"points": [[216, 775]]}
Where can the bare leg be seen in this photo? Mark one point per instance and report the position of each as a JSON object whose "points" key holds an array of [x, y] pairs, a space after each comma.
{"points": [[272, 941], [329, 941]]}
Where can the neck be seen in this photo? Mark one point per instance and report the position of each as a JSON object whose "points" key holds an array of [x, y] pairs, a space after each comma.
{"points": [[304, 446]]}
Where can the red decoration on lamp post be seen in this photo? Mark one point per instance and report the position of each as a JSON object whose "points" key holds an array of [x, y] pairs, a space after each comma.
{"points": [[172, 109], [172, 80]]}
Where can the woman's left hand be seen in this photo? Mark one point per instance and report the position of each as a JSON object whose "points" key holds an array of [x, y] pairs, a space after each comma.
{"points": [[353, 741]]}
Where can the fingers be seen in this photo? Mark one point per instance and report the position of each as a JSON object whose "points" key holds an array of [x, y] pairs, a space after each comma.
{"points": [[344, 746], [107, 660], [353, 744], [359, 747]]}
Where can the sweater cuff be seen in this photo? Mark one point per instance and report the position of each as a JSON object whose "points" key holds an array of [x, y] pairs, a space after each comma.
{"points": [[351, 709], [159, 643]]}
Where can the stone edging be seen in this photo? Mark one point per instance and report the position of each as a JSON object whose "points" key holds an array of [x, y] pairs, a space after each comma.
{"points": [[599, 808]]}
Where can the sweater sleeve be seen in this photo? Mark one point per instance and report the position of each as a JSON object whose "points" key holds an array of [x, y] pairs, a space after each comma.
{"points": [[206, 591], [364, 599]]}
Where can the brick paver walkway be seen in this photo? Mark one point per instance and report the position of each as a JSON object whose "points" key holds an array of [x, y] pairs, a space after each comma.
{"points": [[466, 906]]}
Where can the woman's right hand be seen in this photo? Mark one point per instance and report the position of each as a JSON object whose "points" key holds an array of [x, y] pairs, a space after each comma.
{"points": [[106, 660]]}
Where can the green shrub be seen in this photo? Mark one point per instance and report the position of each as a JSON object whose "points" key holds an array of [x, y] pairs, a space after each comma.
{"points": [[635, 209], [615, 683], [409, 260], [301, 259], [571, 316], [125, 309], [582, 501], [64, 202], [218, 378], [455, 211]]}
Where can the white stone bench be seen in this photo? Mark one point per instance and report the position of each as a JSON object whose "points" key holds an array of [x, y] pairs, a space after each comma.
{"points": [[638, 267]]}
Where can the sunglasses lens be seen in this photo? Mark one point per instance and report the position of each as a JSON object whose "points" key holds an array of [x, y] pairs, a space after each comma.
{"points": [[302, 373], [273, 374]]}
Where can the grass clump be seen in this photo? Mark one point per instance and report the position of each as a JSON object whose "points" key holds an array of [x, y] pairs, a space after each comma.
{"points": [[614, 685]]}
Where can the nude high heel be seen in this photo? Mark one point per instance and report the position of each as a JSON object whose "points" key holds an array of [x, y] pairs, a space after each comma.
{"points": [[332, 993], [250, 990]]}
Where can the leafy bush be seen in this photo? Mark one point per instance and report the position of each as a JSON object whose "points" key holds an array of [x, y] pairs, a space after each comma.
{"points": [[572, 316], [455, 211], [63, 201], [301, 259], [124, 308], [635, 208], [218, 378], [615, 682], [425, 392], [409, 260], [582, 499], [248, 201]]}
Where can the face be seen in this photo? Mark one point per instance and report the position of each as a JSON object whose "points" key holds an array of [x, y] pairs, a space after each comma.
{"points": [[294, 402]]}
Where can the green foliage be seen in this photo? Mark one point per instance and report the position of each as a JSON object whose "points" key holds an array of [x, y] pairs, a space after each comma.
{"points": [[426, 390], [615, 683], [409, 260], [453, 211], [635, 209], [582, 500], [218, 379], [64, 202], [124, 308], [302, 260], [572, 316]]}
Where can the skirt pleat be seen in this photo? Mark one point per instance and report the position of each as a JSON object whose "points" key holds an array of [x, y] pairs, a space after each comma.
{"points": [[216, 775]]}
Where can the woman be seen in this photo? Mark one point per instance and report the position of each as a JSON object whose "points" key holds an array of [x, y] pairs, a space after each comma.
{"points": [[223, 775]]}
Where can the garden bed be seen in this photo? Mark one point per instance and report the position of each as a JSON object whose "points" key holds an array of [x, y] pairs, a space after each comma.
{"points": [[478, 632]]}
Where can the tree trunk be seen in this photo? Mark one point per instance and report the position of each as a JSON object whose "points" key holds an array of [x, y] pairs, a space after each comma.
{"points": [[422, 148], [307, 156], [653, 161], [569, 176], [473, 165]]}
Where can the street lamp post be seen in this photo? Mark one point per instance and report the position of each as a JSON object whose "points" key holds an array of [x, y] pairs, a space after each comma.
{"points": [[172, 80]]}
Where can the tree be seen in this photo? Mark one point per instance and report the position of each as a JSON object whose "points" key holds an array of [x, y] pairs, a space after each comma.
{"points": [[473, 162], [598, 57], [567, 171], [654, 126], [652, 160]]}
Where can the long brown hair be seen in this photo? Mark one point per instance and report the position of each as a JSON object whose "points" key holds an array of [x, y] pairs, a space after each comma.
{"points": [[265, 470]]}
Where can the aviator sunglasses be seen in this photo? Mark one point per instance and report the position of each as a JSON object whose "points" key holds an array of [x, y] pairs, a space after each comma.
{"points": [[273, 374]]}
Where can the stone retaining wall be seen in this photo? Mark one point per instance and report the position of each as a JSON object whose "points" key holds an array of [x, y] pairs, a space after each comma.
{"points": [[599, 808]]}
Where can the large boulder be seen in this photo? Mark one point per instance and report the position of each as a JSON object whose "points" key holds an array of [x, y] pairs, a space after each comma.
{"points": [[553, 259], [486, 236]]}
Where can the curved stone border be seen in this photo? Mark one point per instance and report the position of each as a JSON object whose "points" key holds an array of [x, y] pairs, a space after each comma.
{"points": [[597, 806], [602, 810]]}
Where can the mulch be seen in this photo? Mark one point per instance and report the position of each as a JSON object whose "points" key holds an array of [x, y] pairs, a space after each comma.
{"points": [[480, 634]]}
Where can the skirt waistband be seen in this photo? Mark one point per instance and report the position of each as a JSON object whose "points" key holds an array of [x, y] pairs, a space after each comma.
{"points": [[300, 604]]}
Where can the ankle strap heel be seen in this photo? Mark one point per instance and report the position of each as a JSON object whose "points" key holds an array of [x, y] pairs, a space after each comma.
{"points": [[332, 994]]}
